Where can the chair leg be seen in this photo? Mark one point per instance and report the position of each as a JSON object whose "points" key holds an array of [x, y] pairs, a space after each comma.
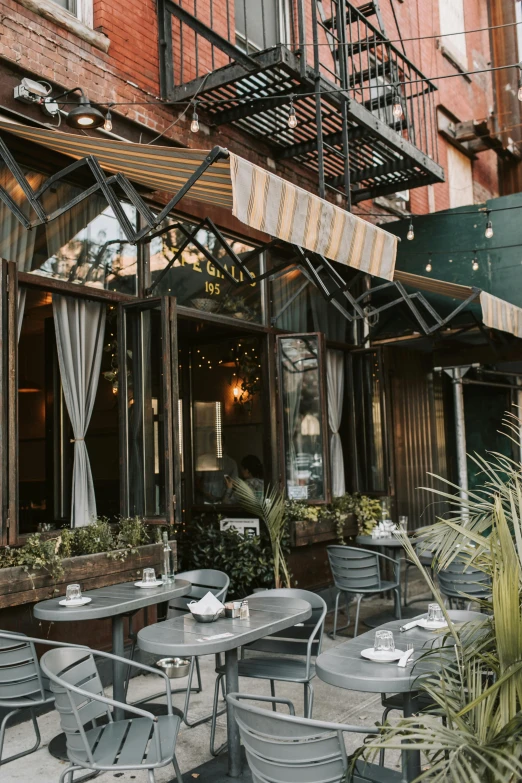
{"points": [[194, 664], [213, 750], [358, 599], [308, 699], [406, 572], [383, 720], [336, 630], [272, 694], [152, 779], [3, 727], [398, 614], [179, 778]]}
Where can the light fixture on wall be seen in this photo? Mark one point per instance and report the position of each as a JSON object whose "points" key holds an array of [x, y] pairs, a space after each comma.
{"points": [[83, 115]]}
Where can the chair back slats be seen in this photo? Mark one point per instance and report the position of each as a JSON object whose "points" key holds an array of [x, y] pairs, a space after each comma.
{"points": [[67, 666], [460, 578], [202, 581], [294, 640], [19, 670], [285, 752], [354, 569]]}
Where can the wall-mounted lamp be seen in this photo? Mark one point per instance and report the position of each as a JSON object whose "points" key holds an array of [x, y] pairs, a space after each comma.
{"points": [[82, 115]]}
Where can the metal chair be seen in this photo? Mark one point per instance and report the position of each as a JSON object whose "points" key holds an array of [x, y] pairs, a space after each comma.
{"points": [[425, 556], [285, 749], [22, 686], [142, 742], [282, 665], [459, 580], [357, 572]]}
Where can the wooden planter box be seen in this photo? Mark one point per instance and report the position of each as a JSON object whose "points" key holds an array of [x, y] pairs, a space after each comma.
{"points": [[306, 532], [18, 587]]}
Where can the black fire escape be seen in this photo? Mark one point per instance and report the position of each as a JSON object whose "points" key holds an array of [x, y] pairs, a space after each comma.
{"points": [[243, 60]]}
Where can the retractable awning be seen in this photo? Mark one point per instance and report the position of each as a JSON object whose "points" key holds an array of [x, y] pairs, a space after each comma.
{"points": [[496, 313], [257, 197]]}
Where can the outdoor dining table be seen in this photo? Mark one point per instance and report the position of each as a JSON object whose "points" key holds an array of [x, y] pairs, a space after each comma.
{"points": [[184, 637], [114, 602], [343, 667]]}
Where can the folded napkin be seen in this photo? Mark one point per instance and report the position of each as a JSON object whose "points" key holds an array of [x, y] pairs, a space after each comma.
{"points": [[408, 626], [209, 604]]}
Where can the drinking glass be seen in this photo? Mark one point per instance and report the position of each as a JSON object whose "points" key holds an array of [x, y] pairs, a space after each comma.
{"points": [[149, 575], [384, 641], [73, 592], [435, 614], [403, 522]]}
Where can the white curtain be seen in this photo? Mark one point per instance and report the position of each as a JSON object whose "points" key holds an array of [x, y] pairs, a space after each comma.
{"points": [[16, 242], [293, 387], [80, 330], [335, 393]]}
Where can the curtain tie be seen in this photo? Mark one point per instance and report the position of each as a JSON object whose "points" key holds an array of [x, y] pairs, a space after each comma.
{"points": [[74, 440]]}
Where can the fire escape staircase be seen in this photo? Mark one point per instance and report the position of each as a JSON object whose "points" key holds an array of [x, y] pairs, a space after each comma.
{"points": [[343, 73]]}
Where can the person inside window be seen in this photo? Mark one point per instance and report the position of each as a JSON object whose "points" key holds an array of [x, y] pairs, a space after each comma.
{"points": [[251, 471]]}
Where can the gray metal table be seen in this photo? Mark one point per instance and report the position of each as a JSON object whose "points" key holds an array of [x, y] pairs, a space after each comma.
{"points": [[183, 637], [343, 667], [115, 602]]}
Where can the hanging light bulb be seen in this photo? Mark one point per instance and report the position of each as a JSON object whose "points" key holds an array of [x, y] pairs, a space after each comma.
{"points": [[429, 266], [107, 125], [488, 233], [292, 117], [411, 233], [194, 125], [475, 263], [397, 106]]}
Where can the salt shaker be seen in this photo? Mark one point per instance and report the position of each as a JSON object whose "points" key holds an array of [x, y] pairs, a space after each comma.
{"points": [[244, 611]]}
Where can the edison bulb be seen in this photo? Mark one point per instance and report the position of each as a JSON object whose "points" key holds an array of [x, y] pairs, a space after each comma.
{"points": [[489, 230], [107, 125], [397, 110], [194, 125], [428, 267], [411, 234], [292, 118], [475, 265]]}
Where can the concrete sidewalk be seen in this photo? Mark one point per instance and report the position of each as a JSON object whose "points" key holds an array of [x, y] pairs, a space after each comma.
{"points": [[330, 704]]}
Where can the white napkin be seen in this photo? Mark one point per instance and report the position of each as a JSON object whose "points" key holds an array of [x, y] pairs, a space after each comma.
{"points": [[407, 627], [209, 604]]}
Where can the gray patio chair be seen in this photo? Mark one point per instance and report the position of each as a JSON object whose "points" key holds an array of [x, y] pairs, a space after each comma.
{"points": [[290, 653], [425, 556], [285, 749], [203, 580], [143, 741], [459, 580], [357, 572], [22, 686]]}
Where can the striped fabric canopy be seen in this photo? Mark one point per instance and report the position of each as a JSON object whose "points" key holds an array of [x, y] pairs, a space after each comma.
{"points": [[258, 198]]}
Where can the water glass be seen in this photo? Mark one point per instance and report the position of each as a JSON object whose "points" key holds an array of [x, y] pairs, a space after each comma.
{"points": [[149, 575], [384, 641], [435, 614], [403, 522], [73, 593]]}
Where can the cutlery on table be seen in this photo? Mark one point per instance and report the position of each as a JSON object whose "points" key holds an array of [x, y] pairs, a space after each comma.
{"points": [[404, 659]]}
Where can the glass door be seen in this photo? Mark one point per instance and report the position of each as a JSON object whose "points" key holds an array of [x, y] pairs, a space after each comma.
{"points": [[149, 406]]}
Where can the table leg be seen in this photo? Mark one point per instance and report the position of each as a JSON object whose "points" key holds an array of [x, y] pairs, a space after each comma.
{"points": [[234, 745], [411, 764], [118, 669]]}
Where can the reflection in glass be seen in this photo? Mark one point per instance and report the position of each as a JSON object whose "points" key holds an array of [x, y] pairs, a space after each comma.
{"points": [[146, 461], [84, 245], [302, 419], [369, 422], [196, 282]]}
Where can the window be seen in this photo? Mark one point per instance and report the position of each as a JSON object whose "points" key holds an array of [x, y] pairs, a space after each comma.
{"points": [[460, 178], [82, 9], [263, 22], [305, 435], [451, 16]]}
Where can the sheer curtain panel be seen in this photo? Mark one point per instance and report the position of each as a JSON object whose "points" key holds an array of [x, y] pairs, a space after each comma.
{"points": [[80, 331], [335, 392]]}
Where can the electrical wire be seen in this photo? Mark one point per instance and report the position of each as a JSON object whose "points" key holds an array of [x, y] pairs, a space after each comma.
{"points": [[185, 110]]}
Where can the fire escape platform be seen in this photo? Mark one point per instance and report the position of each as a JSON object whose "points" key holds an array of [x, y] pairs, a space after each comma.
{"points": [[381, 160]]}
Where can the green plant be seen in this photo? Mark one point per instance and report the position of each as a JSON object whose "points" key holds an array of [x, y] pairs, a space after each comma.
{"points": [[476, 684], [271, 509], [37, 554], [247, 560]]}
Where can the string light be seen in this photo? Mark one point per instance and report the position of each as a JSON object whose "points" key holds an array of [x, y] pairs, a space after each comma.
{"points": [[488, 233], [397, 106], [194, 125], [429, 265], [411, 233], [475, 263], [292, 117], [107, 125]]}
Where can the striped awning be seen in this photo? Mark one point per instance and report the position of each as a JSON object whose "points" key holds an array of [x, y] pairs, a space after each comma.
{"points": [[496, 313], [258, 198]]}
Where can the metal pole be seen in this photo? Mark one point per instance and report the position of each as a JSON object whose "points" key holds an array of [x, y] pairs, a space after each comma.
{"points": [[457, 374], [118, 669]]}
